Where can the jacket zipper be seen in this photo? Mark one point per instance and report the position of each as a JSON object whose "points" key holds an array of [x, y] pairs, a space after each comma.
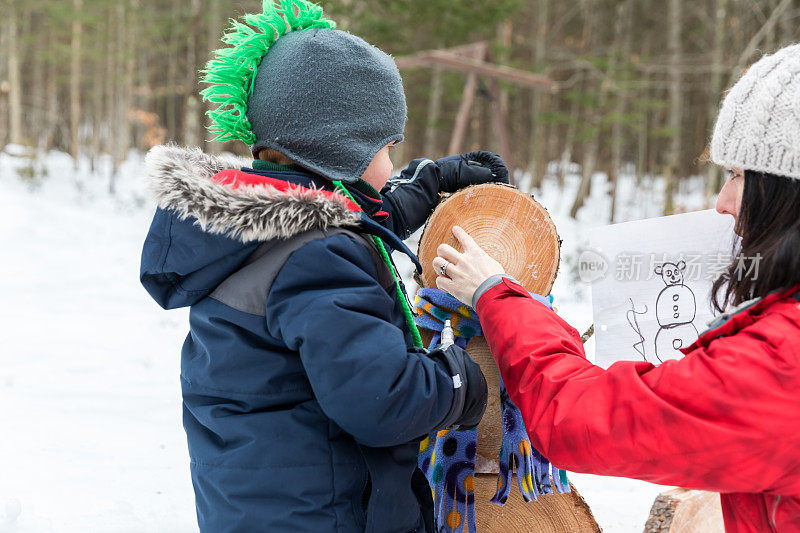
{"points": [[774, 510]]}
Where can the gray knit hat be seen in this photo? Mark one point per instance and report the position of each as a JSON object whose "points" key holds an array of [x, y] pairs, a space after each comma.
{"points": [[758, 127], [327, 100], [289, 81]]}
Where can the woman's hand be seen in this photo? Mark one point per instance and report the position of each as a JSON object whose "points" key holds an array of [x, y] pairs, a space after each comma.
{"points": [[463, 273]]}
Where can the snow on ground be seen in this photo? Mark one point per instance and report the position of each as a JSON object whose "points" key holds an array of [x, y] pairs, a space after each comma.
{"points": [[90, 406]]}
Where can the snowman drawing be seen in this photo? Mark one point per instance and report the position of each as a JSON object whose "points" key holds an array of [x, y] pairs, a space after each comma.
{"points": [[676, 308]]}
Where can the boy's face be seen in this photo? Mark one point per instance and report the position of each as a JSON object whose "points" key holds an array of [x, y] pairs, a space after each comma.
{"points": [[380, 168]]}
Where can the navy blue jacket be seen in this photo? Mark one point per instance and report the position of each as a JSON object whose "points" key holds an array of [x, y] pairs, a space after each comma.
{"points": [[304, 399]]}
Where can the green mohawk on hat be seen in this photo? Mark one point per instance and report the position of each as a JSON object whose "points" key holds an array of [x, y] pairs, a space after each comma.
{"points": [[232, 72]]}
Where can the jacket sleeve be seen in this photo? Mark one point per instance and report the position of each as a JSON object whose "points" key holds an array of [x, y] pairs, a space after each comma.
{"points": [[724, 418], [411, 197], [327, 304]]}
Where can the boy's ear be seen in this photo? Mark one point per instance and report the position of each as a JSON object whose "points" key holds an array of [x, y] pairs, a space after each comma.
{"points": [[659, 270], [681, 265]]}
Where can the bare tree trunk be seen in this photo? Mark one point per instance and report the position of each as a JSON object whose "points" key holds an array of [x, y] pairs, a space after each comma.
{"points": [[765, 29], [498, 112], [125, 62], [675, 102], [538, 139], [75, 82], [4, 84], [498, 105], [109, 123], [641, 147], [788, 29], [589, 165], [172, 77], [594, 116], [622, 24], [642, 141], [143, 96], [14, 78], [191, 120], [98, 99], [37, 96], [462, 118], [569, 144], [770, 37], [713, 174], [432, 118], [51, 113], [214, 34]]}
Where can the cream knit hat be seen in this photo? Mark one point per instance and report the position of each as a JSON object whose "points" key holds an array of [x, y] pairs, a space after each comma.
{"points": [[758, 127]]}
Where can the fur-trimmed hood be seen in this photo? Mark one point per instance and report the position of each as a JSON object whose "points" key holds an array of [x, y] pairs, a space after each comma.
{"points": [[212, 215], [206, 227], [181, 180]]}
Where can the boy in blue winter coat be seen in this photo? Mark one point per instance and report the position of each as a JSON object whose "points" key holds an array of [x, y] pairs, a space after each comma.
{"points": [[305, 392]]}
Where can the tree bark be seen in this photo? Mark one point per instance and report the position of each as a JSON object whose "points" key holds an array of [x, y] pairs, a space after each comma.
{"points": [[569, 144], [14, 76], [51, 117], [214, 34], [75, 82], [172, 77], [675, 102], [432, 118], [125, 62], [713, 174], [191, 116], [538, 139], [110, 124], [643, 136], [5, 86], [622, 25], [594, 117], [462, 117], [685, 511], [37, 93]]}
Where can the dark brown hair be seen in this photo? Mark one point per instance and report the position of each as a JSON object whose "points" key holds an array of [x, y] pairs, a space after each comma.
{"points": [[768, 256], [274, 156]]}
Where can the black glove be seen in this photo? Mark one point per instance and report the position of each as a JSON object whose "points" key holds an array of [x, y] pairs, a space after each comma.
{"points": [[412, 196], [474, 168], [470, 391]]}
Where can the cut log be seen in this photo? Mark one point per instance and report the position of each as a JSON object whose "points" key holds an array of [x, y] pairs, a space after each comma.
{"points": [[685, 511], [519, 233], [516, 231], [551, 513], [490, 430], [510, 225]]}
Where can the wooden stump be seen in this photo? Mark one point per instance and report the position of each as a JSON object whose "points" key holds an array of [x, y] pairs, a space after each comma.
{"points": [[550, 513], [510, 225], [685, 511], [518, 233]]}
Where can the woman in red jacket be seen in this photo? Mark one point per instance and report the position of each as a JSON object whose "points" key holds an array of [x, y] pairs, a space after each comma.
{"points": [[725, 417]]}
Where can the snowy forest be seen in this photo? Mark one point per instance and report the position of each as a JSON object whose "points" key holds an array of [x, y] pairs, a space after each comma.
{"points": [[602, 109], [626, 86]]}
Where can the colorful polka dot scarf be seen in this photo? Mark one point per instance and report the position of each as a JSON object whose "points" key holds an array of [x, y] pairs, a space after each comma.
{"points": [[447, 458]]}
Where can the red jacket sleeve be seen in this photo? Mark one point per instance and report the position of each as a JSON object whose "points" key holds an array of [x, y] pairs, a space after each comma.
{"points": [[723, 418]]}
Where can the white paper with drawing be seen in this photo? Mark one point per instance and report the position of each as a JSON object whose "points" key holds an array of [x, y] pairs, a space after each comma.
{"points": [[651, 282]]}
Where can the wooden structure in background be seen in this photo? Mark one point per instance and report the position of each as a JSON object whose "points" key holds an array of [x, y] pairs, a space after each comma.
{"points": [[685, 511], [475, 60], [517, 231]]}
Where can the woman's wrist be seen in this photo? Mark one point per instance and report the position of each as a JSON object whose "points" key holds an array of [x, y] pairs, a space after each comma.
{"points": [[488, 283]]}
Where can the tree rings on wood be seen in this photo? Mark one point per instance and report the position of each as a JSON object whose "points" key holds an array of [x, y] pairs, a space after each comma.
{"points": [[510, 225], [551, 513]]}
